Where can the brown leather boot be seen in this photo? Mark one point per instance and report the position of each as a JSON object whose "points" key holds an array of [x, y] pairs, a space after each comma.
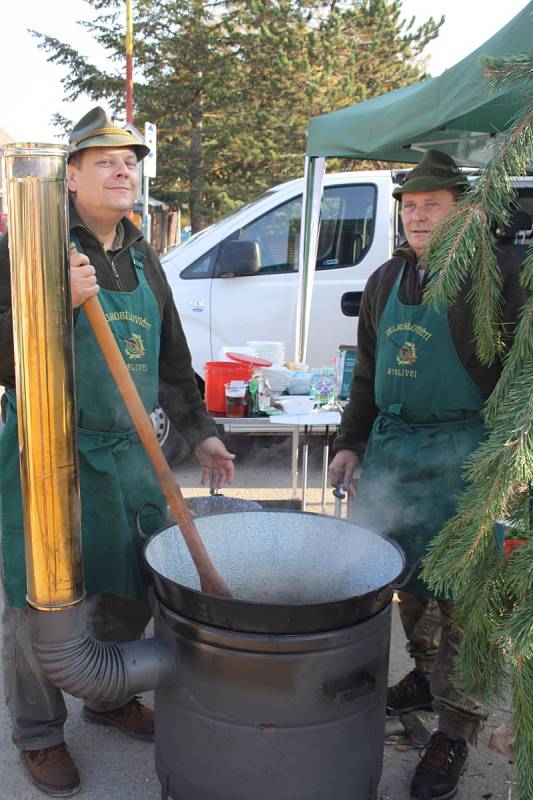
{"points": [[438, 773], [52, 770], [133, 719], [412, 693]]}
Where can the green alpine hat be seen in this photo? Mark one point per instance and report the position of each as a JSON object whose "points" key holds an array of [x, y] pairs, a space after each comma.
{"points": [[436, 171], [95, 129]]}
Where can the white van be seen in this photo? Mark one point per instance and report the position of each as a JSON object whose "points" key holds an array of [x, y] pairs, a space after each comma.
{"points": [[237, 280]]}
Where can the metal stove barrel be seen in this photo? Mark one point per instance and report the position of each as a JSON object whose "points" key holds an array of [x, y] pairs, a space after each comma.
{"points": [[264, 717]]}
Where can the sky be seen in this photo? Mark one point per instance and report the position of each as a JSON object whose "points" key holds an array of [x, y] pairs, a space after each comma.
{"points": [[31, 90]]}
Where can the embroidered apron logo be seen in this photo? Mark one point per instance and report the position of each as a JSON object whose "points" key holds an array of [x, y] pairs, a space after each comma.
{"points": [[407, 355], [137, 319], [411, 327], [134, 346]]}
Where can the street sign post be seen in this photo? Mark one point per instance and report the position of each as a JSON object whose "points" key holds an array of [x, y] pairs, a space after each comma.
{"points": [[150, 140], [149, 171]]}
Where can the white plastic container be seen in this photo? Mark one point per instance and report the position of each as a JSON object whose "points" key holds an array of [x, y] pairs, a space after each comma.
{"points": [[296, 404]]}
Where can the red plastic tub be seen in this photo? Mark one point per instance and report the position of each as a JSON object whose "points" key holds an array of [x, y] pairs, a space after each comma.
{"points": [[216, 374]]}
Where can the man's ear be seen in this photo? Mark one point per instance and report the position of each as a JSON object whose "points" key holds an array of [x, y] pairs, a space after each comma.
{"points": [[71, 177]]}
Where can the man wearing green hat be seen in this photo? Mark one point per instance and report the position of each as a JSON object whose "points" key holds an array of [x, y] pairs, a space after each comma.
{"points": [[109, 256], [415, 411]]}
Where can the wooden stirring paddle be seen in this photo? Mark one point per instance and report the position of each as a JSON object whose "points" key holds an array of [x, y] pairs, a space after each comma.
{"points": [[210, 580]]}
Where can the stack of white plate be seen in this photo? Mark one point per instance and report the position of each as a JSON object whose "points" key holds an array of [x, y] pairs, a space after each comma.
{"points": [[270, 351], [241, 349]]}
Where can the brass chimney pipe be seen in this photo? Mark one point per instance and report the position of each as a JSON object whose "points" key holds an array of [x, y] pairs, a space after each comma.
{"points": [[44, 370], [67, 652]]}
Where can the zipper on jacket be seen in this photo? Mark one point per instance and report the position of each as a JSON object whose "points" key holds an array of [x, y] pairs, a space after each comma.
{"points": [[115, 273]]}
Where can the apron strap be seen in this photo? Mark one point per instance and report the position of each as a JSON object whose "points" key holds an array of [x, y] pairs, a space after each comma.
{"points": [[137, 257], [397, 282], [11, 398], [75, 240]]}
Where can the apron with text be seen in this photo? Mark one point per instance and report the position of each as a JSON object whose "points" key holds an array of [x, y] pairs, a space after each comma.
{"points": [[116, 475], [429, 422]]}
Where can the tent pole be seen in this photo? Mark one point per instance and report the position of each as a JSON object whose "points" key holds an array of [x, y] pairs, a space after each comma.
{"points": [[312, 197]]}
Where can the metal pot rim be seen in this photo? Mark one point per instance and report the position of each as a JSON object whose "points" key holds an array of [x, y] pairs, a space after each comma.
{"points": [[257, 603]]}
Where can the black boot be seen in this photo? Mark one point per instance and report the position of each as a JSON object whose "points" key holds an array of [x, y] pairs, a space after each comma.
{"points": [[412, 693], [437, 775]]}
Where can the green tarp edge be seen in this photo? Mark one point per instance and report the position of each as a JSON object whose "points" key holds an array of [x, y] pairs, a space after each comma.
{"points": [[453, 112]]}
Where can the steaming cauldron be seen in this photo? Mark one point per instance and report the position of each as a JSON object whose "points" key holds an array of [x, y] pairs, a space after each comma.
{"points": [[281, 689], [289, 572]]}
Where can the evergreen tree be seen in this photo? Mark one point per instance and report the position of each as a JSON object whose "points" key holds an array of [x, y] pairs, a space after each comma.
{"points": [[231, 84], [493, 594]]}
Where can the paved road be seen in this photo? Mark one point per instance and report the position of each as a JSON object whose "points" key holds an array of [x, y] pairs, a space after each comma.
{"points": [[114, 767]]}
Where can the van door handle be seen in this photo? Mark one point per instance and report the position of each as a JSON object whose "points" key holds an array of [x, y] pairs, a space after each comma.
{"points": [[351, 303]]}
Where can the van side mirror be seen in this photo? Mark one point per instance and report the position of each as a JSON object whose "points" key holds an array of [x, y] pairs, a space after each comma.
{"points": [[237, 258]]}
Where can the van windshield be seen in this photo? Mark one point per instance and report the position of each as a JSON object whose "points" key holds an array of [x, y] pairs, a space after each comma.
{"points": [[201, 234]]}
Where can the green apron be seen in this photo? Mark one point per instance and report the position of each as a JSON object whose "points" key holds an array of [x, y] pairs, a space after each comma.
{"points": [[116, 475], [428, 423]]}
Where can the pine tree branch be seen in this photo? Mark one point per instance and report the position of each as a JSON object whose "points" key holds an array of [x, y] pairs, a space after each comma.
{"points": [[509, 72], [450, 246], [493, 595], [519, 631], [479, 617], [493, 471], [459, 247], [522, 708], [518, 365], [486, 299]]}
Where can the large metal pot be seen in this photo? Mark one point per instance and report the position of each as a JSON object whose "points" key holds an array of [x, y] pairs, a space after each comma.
{"points": [[288, 572]]}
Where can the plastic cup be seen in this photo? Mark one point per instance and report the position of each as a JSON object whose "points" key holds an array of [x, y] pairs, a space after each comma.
{"points": [[236, 398]]}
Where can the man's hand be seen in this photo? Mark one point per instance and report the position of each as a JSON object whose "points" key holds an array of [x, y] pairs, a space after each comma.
{"points": [[215, 460], [343, 467], [82, 278]]}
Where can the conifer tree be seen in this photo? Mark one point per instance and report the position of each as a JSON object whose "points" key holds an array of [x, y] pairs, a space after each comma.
{"points": [[493, 593], [231, 84]]}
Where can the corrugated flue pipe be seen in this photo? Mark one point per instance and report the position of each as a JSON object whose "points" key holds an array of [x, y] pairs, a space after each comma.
{"points": [[43, 339]]}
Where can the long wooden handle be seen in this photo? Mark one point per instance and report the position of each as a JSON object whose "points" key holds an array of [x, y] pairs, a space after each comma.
{"points": [[210, 580]]}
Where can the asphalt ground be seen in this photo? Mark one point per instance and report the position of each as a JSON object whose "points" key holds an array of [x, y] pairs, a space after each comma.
{"points": [[115, 767]]}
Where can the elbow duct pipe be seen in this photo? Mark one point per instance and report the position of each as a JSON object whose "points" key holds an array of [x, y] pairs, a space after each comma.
{"points": [[68, 654], [105, 672]]}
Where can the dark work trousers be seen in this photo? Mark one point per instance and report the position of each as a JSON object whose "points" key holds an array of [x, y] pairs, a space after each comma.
{"points": [[433, 643]]}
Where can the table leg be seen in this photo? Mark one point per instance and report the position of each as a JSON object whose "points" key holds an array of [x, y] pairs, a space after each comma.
{"points": [[325, 459], [294, 463], [305, 453]]}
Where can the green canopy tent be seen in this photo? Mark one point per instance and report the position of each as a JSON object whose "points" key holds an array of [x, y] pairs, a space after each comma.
{"points": [[453, 112]]}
